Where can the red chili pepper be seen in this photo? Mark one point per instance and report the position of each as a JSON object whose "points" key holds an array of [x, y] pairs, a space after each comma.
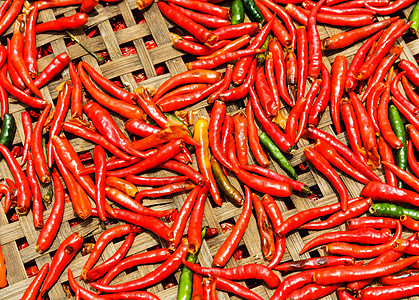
{"points": [[37, 207], [11, 14], [313, 290], [253, 137], [194, 231], [33, 288], [261, 184], [372, 62], [389, 292], [293, 117], [302, 58], [76, 93], [4, 7], [338, 81], [204, 7], [314, 42], [227, 131], [235, 288], [178, 102], [154, 181], [16, 46], [292, 70], [243, 65], [49, 231], [398, 95], [359, 236], [235, 31], [99, 157], [196, 48], [198, 31], [333, 157], [87, 6], [74, 21], [29, 50], [293, 282], [186, 170], [410, 117], [371, 222], [372, 103], [384, 123], [358, 3], [27, 129], [64, 255], [140, 128], [168, 189], [315, 263], [387, 155], [242, 90], [84, 294], [278, 29], [409, 92], [279, 138], [124, 109], [355, 209], [123, 185], [279, 66], [231, 46], [384, 192], [272, 83], [322, 100], [306, 110], [307, 4], [207, 20], [149, 257], [159, 274], [230, 244], [6, 191], [224, 86], [413, 163], [301, 15], [354, 273], [406, 177], [240, 135], [392, 8]]}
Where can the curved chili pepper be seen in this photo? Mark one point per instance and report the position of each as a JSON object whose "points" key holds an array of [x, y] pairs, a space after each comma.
{"points": [[409, 92], [14, 76], [27, 129], [147, 222], [33, 288], [243, 65], [267, 99], [206, 20], [371, 222], [85, 294], [37, 207], [248, 271], [99, 158], [292, 70], [413, 163], [359, 3], [124, 109], [222, 58], [123, 185], [227, 130], [265, 228], [198, 31], [230, 244], [392, 8], [372, 103], [314, 42], [6, 191], [322, 165], [168, 189], [359, 236], [231, 46], [149, 257], [302, 58], [154, 181], [322, 100], [389, 292], [78, 196], [159, 274], [367, 131], [71, 160], [406, 177], [409, 222], [354, 273], [4, 7], [307, 107], [16, 44], [372, 62], [307, 4], [232, 194], [242, 90], [226, 84], [171, 132], [384, 123], [178, 102], [209, 292], [64, 255], [240, 135], [343, 39], [111, 262], [261, 184], [313, 290], [106, 126], [185, 89], [186, 170], [229, 286], [29, 50], [52, 225], [11, 14], [107, 85], [253, 137], [333, 157], [279, 138], [355, 209], [278, 29], [399, 97], [140, 128], [358, 60], [315, 263], [388, 193], [87, 6], [76, 93], [194, 231], [74, 21], [291, 283], [410, 70], [204, 7], [280, 70], [387, 156], [339, 68]]}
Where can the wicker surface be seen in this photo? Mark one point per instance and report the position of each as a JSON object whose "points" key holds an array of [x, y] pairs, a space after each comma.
{"points": [[121, 68]]}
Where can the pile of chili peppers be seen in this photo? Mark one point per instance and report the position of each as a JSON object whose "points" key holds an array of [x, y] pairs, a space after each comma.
{"points": [[276, 67]]}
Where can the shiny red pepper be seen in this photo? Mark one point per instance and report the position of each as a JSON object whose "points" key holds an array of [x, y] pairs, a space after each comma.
{"points": [[65, 23]]}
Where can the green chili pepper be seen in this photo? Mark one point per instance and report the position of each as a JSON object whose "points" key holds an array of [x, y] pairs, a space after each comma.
{"points": [[261, 57], [237, 12], [8, 130], [253, 11], [398, 128], [414, 16], [232, 194], [393, 211], [185, 280], [277, 155]]}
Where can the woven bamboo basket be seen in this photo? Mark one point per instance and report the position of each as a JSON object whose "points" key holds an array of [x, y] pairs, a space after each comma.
{"points": [[123, 68]]}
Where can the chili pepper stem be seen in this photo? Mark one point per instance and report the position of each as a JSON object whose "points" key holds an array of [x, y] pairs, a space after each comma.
{"points": [[100, 60]]}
